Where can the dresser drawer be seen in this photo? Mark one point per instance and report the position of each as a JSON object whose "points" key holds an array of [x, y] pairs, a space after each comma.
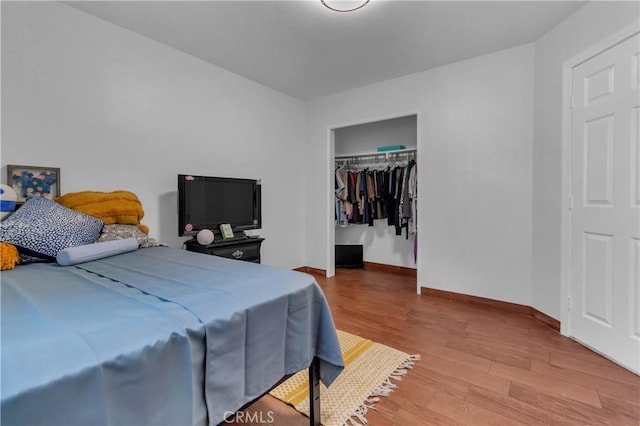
{"points": [[245, 252], [247, 249]]}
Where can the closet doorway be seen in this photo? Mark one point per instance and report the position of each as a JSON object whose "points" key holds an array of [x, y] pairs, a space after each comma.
{"points": [[381, 154]]}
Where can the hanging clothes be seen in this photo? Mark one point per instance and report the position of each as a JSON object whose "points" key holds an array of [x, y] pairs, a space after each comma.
{"points": [[341, 218], [405, 198], [376, 190], [397, 212], [413, 199]]}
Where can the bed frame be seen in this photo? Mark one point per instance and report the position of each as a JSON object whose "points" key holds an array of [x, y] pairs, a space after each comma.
{"points": [[314, 392]]}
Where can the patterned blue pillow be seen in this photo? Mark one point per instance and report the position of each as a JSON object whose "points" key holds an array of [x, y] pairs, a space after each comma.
{"points": [[44, 227]]}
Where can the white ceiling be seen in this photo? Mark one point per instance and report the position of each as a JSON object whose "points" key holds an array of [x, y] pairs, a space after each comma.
{"points": [[307, 51]]}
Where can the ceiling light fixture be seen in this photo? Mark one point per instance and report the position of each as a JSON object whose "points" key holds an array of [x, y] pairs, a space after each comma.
{"points": [[344, 6]]}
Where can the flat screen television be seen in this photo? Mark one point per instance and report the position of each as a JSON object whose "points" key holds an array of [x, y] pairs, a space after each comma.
{"points": [[206, 202]]}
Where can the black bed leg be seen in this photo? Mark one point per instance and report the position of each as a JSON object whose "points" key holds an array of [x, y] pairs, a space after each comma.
{"points": [[314, 392]]}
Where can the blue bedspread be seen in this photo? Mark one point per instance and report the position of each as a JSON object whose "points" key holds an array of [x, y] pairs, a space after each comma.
{"points": [[123, 340]]}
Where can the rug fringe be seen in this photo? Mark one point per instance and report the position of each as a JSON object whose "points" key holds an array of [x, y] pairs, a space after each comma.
{"points": [[384, 389], [402, 368]]}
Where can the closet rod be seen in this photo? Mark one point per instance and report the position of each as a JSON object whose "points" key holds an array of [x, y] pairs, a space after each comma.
{"points": [[377, 154]]}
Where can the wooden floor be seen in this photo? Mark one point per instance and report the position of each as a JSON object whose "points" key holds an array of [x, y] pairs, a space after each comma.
{"points": [[480, 365]]}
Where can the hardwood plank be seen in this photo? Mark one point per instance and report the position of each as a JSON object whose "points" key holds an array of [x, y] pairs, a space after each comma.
{"points": [[460, 355], [491, 351], [465, 412], [608, 370], [627, 392], [513, 408], [440, 381], [569, 410], [570, 348], [466, 373], [614, 406], [413, 414], [548, 384], [513, 335]]}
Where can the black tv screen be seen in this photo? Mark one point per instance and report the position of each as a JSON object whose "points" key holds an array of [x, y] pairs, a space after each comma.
{"points": [[205, 202]]}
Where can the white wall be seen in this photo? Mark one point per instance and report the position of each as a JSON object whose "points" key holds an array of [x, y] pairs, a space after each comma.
{"points": [[475, 127], [115, 110], [589, 25]]}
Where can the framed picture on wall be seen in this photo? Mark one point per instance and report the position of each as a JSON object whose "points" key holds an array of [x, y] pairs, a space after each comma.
{"points": [[34, 181]]}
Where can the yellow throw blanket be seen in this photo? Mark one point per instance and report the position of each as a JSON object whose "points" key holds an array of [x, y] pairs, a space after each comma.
{"points": [[111, 207]]}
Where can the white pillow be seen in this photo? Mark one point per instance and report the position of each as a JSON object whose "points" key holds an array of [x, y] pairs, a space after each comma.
{"points": [[80, 254]]}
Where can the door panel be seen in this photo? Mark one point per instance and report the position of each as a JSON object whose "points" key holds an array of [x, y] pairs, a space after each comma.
{"points": [[599, 85], [597, 281], [598, 161]]}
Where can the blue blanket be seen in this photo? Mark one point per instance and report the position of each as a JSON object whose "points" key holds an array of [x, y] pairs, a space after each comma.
{"points": [[122, 340]]}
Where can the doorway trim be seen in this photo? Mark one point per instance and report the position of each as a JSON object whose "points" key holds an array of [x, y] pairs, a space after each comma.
{"points": [[565, 221], [330, 157]]}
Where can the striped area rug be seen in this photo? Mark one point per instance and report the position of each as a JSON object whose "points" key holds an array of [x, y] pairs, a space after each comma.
{"points": [[369, 366]]}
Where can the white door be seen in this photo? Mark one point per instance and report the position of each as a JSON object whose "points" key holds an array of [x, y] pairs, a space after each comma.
{"points": [[605, 218]]}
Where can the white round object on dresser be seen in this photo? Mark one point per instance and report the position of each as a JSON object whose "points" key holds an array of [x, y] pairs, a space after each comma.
{"points": [[205, 237]]}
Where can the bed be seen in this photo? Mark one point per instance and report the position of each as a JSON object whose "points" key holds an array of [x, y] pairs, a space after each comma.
{"points": [[155, 336]]}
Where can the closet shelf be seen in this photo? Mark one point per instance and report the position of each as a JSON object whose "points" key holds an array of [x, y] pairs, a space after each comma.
{"points": [[377, 154]]}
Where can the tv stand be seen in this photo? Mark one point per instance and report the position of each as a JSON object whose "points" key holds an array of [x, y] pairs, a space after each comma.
{"points": [[239, 247]]}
